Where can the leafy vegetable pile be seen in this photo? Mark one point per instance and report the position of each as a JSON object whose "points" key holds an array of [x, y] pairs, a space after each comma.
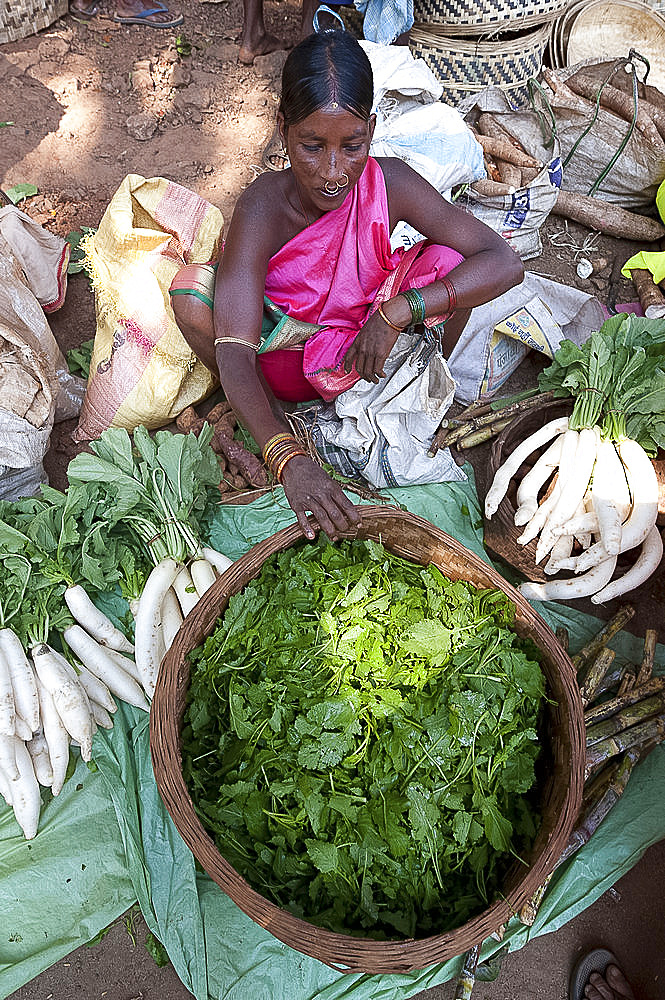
{"points": [[360, 738]]}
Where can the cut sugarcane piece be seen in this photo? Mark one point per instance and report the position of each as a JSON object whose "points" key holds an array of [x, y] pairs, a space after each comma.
{"points": [[595, 673], [609, 629], [645, 732], [627, 717], [608, 708]]}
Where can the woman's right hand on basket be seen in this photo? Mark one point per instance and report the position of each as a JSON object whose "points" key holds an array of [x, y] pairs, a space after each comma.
{"points": [[309, 488]]}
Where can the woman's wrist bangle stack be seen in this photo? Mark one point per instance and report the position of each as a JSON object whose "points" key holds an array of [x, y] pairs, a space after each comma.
{"points": [[400, 329], [452, 295], [416, 304], [278, 452]]}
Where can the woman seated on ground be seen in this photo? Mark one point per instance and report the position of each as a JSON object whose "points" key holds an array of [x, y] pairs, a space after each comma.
{"points": [[315, 239]]}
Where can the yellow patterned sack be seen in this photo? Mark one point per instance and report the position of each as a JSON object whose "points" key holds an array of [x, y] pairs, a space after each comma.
{"points": [[142, 370]]}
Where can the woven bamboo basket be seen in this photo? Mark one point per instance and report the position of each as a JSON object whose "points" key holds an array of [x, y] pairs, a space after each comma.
{"points": [[562, 739], [466, 66], [481, 17], [20, 18]]}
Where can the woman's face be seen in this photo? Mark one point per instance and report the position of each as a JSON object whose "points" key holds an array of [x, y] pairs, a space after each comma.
{"points": [[325, 149]]}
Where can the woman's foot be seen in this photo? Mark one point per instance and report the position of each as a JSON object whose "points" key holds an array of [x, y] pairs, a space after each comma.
{"points": [[154, 14], [611, 985]]}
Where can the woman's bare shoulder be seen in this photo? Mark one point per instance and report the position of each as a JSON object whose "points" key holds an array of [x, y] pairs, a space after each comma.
{"points": [[258, 218]]}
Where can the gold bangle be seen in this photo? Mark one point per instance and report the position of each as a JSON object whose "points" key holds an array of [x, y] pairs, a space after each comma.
{"points": [[400, 329], [234, 340], [285, 461], [276, 439]]}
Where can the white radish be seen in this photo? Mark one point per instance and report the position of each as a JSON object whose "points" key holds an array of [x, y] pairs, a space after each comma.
{"points": [[185, 591], [68, 696], [22, 729], [574, 476], [534, 480], [560, 550], [101, 662], [505, 472], [171, 617], [57, 739], [532, 529], [646, 563], [5, 788], [26, 800], [203, 575], [217, 559], [580, 524], [643, 485], [95, 689], [8, 756], [94, 621], [148, 622], [101, 716], [585, 537], [573, 588], [609, 495], [7, 706], [23, 678], [41, 760], [126, 664]]}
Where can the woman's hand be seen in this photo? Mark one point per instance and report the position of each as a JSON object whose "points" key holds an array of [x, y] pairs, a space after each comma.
{"points": [[309, 488], [370, 349]]}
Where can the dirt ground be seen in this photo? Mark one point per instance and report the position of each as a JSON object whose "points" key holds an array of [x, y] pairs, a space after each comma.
{"points": [[91, 102]]}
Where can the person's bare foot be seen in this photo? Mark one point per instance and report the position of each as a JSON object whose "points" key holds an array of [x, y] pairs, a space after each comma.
{"points": [[258, 45], [613, 985]]}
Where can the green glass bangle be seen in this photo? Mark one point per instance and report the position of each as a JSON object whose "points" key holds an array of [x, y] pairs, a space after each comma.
{"points": [[416, 304]]}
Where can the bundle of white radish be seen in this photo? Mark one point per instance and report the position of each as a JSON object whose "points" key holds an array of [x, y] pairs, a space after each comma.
{"points": [[601, 489]]}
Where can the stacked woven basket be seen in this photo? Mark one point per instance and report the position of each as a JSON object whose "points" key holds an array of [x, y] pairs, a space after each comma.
{"points": [[20, 18], [473, 44]]}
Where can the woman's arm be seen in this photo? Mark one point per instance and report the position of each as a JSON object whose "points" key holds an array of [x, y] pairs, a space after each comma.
{"points": [[490, 267], [253, 237]]}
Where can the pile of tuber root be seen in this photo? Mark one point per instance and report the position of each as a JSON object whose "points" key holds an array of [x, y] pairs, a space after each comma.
{"points": [[241, 469]]}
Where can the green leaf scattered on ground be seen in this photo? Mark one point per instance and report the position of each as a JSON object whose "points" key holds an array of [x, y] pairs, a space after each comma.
{"points": [[183, 46], [20, 192], [78, 358]]}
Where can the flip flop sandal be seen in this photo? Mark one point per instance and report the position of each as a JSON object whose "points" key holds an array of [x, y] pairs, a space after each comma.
{"points": [[274, 156], [85, 15], [595, 961], [142, 18]]}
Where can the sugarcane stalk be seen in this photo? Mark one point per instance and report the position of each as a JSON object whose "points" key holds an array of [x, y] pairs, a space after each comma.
{"points": [[595, 674], [608, 708], [467, 976], [646, 667], [630, 716], [613, 679], [609, 629], [600, 796], [563, 638], [627, 682], [483, 416], [651, 729], [484, 434]]}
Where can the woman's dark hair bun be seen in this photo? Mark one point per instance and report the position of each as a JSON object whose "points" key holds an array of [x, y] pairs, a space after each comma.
{"points": [[327, 67]]}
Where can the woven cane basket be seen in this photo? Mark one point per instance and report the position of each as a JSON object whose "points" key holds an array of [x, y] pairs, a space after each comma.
{"points": [[20, 18], [562, 741], [480, 17], [465, 66]]}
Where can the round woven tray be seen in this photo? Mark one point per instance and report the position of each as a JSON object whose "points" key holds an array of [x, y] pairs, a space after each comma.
{"points": [[562, 758], [466, 66]]}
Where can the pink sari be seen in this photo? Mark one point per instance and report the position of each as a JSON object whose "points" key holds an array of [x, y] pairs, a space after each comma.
{"points": [[335, 273]]}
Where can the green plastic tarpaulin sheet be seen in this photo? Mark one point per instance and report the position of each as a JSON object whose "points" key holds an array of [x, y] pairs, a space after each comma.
{"points": [[107, 841]]}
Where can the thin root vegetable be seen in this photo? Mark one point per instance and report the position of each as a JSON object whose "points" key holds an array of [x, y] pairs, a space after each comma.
{"points": [[605, 217], [41, 761], [540, 517], [218, 411], [26, 800], [171, 617], [646, 563], [185, 591], [101, 716], [531, 484], [95, 688], [651, 298], [94, 621], [8, 756], [7, 705], [103, 663], [577, 525], [203, 575], [68, 696], [561, 549], [509, 173], [148, 622], [578, 586], [57, 739], [610, 496], [620, 103], [503, 149], [5, 788], [493, 189], [505, 472], [575, 479], [217, 559], [251, 468], [23, 678]]}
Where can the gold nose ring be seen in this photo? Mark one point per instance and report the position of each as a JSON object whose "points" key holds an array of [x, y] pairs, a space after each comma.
{"points": [[338, 186]]}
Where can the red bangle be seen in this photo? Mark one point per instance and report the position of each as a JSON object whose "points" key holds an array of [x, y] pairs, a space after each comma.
{"points": [[452, 294]]}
